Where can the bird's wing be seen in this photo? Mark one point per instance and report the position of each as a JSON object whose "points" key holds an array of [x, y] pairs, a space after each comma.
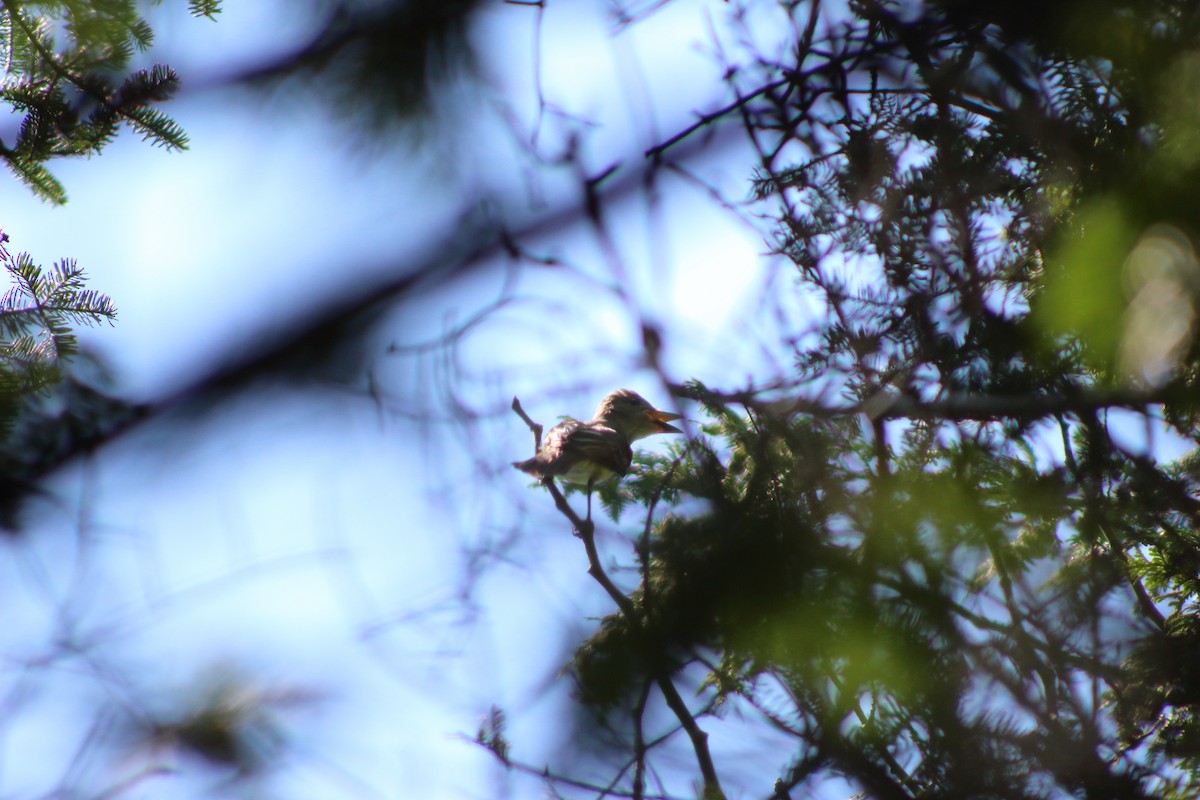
{"points": [[600, 445], [554, 457], [571, 444]]}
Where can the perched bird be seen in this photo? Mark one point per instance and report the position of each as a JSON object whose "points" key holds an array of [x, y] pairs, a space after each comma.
{"points": [[587, 453]]}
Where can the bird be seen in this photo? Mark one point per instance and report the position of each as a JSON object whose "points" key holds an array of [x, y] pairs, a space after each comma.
{"points": [[587, 453]]}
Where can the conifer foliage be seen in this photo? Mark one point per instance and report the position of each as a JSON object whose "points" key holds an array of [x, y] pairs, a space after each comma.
{"points": [[45, 410], [65, 73], [36, 317], [65, 69], [947, 554]]}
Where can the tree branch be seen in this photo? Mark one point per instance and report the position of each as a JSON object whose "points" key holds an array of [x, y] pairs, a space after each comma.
{"points": [[703, 120], [586, 531], [887, 404]]}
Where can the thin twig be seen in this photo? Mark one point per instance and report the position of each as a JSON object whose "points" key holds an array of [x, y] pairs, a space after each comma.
{"points": [[534, 427], [644, 542], [554, 777], [586, 531], [703, 120], [639, 744]]}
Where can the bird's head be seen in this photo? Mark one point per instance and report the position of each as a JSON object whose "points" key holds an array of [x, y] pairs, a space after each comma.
{"points": [[628, 412]]}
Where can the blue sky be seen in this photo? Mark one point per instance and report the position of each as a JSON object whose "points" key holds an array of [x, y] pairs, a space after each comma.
{"points": [[371, 554]]}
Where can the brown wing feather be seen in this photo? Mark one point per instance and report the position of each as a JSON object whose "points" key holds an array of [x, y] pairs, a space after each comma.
{"points": [[572, 444], [602, 446]]}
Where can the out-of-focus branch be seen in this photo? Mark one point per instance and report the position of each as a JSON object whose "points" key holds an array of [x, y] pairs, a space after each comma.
{"points": [[890, 404], [318, 335]]}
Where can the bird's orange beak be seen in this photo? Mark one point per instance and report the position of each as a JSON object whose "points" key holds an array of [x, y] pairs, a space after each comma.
{"points": [[663, 419]]}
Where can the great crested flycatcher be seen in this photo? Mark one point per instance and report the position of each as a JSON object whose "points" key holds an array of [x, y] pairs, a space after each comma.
{"points": [[587, 453]]}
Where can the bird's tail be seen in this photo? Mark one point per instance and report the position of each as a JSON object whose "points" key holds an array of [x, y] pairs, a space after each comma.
{"points": [[530, 465]]}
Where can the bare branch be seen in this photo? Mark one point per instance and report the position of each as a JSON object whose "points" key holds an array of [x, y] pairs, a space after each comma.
{"points": [[890, 404], [704, 120], [586, 530], [534, 427]]}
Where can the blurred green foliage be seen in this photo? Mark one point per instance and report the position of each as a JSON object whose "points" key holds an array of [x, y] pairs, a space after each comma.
{"points": [[934, 538]]}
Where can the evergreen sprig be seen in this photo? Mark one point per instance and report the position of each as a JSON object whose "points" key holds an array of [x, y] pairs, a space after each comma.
{"points": [[37, 315], [52, 397], [65, 68], [205, 8]]}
